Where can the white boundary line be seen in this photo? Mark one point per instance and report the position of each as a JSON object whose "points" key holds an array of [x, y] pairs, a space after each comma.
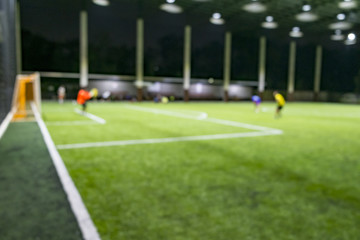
{"points": [[5, 123], [260, 131], [78, 207], [91, 116]]}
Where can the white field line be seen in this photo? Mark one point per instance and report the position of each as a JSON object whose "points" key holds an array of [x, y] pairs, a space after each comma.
{"points": [[168, 140], [70, 123], [82, 216], [5, 122], [91, 116], [261, 131], [200, 115]]}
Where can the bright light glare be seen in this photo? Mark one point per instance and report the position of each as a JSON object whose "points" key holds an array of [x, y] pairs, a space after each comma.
{"points": [[351, 36], [306, 8], [269, 19], [340, 16], [170, 1], [296, 29], [216, 15]]}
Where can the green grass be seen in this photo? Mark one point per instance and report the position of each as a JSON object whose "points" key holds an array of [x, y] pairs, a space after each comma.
{"points": [[303, 184], [33, 204]]}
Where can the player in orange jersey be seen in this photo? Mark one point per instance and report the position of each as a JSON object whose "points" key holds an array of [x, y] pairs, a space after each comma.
{"points": [[82, 97]]}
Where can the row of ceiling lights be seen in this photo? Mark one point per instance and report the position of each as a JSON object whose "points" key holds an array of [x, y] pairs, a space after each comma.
{"points": [[256, 7]]}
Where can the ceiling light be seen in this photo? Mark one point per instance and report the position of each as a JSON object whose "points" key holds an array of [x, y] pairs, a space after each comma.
{"points": [[351, 39], [216, 15], [254, 7], [351, 36], [349, 42], [269, 19], [340, 25], [306, 17], [217, 21], [341, 16], [102, 2], [269, 23], [171, 8], [296, 33], [306, 8], [338, 36], [347, 4], [170, 1]]}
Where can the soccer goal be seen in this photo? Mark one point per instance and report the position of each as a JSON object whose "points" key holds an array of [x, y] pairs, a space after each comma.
{"points": [[27, 90]]}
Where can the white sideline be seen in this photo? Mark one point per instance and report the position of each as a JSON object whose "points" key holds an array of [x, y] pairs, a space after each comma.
{"points": [[82, 216], [6, 122], [261, 131], [91, 116], [168, 140]]}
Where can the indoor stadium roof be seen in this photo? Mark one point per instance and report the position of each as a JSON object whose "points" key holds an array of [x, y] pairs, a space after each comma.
{"points": [[318, 20]]}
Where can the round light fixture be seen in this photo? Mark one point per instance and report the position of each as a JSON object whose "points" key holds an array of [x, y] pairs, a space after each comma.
{"points": [[269, 23], [171, 8], [103, 3], [347, 4], [296, 33], [217, 21], [306, 17], [338, 36], [306, 8], [341, 16], [340, 25], [254, 7], [351, 39], [216, 15], [269, 19], [351, 36], [170, 1]]}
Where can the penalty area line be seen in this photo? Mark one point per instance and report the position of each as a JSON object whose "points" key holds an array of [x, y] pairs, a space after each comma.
{"points": [[169, 140], [91, 116]]}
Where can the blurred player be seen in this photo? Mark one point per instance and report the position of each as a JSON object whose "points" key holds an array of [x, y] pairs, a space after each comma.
{"points": [[256, 100], [61, 93], [82, 97], [280, 103]]}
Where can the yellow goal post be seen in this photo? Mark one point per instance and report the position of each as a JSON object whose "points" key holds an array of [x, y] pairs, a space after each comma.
{"points": [[27, 89]]}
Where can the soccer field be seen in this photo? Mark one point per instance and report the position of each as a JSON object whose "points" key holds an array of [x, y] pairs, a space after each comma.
{"points": [[213, 170]]}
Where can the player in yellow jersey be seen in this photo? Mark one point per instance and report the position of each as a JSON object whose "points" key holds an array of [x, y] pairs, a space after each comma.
{"points": [[280, 103]]}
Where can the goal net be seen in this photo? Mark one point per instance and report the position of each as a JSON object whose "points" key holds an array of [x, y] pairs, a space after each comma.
{"points": [[27, 90]]}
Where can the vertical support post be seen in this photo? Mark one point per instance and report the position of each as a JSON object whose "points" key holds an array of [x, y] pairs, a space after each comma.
{"points": [[317, 76], [187, 61], [227, 65], [84, 65], [291, 74], [18, 39], [262, 66], [139, 58]]}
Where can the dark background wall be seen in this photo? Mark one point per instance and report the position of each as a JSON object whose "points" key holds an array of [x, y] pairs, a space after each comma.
{"points": [[7, 55]]}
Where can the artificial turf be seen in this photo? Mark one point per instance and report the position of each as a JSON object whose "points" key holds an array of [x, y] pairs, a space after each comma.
{"points": [[302, 184], [33, 204]]}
